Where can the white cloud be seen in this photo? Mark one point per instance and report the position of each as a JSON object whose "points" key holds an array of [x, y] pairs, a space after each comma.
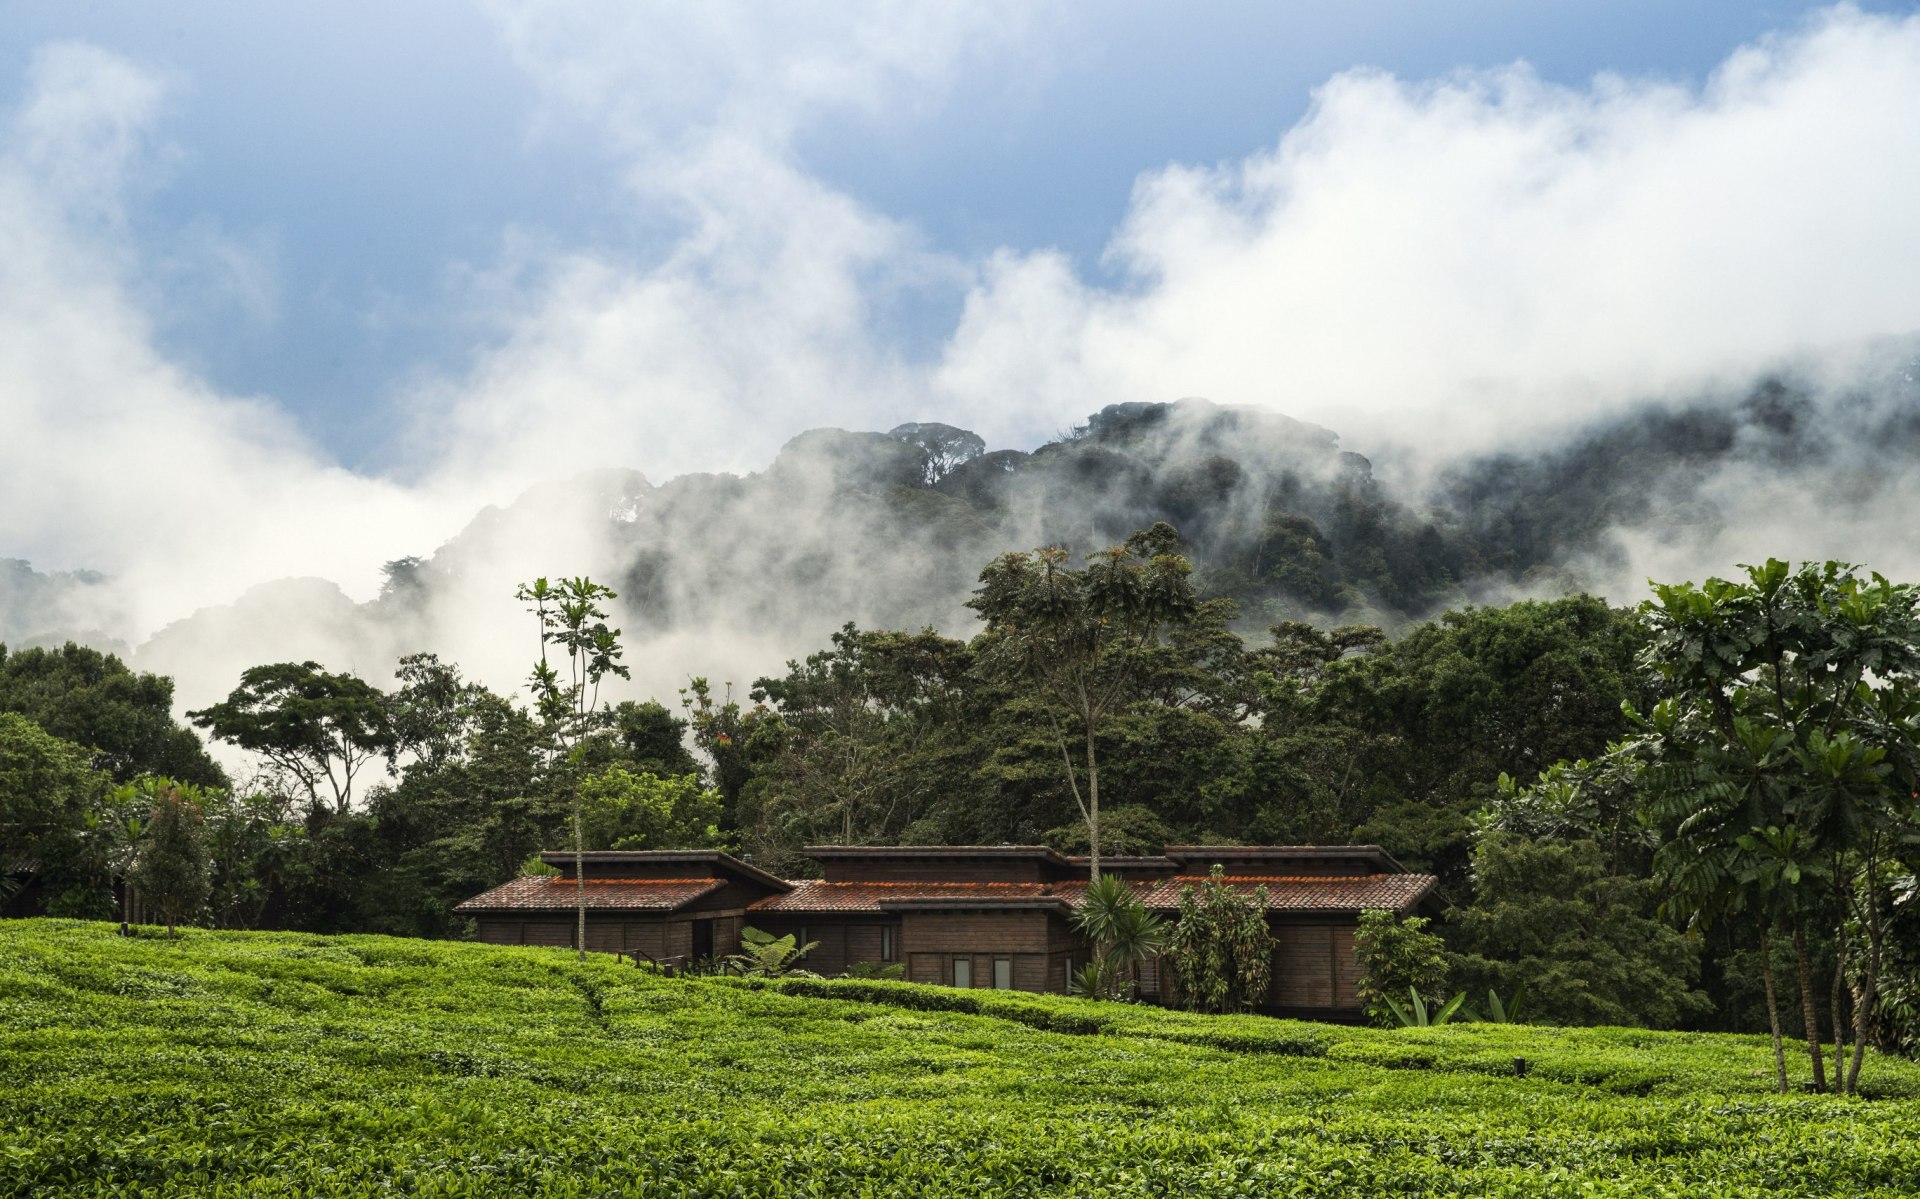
{"points": [[1465, 261], [117, 459], [760, 318], [1453, 264], [756, 325], [652, 78]]}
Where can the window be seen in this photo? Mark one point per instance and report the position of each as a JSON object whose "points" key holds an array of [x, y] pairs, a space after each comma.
{"points": [[1003, 974], [886, 943], [963, 972], [1066, 976]]}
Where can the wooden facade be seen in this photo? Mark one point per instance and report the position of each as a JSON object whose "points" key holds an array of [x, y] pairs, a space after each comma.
{"points": [[664, 906], [970, 916]]}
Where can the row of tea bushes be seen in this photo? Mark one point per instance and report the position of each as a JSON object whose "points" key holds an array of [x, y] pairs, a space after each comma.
{"points": [[281, 1064]]}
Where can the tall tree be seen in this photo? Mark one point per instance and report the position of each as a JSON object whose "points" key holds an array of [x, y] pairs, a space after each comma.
{"points": [[624, 810], [47, 789], [171, 867], [1077, 640], [431, 713], [1787, 726], [94, 700], [869, 729], [1551, 916], [322, 728], [572, 622]]}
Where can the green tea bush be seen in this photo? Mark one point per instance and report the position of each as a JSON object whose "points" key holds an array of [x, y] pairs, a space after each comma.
{"points": [[264, 1064]]}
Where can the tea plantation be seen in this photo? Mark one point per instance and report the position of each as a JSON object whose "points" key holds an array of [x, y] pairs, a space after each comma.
{"points": [[283, 1064]]}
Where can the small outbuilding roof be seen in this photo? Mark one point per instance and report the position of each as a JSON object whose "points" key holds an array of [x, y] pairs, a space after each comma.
{"points": [[881, 897], [550, 892], [613, 860]]}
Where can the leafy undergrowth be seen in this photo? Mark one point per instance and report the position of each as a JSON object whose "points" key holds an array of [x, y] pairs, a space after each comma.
{"points": [[284, 1064]]}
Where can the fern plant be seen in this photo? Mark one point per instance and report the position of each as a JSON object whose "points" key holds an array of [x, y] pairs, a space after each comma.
{"points": [[1416, 1013], [763, 955]]}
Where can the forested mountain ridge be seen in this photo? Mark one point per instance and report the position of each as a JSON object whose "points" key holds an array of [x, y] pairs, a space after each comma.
{"points": [[889, 529]]}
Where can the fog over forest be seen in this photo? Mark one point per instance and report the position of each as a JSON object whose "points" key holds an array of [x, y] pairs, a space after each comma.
{"points": [[730, 575]]}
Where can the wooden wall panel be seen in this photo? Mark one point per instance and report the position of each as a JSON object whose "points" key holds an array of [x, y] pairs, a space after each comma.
{"points": [[829, 957], [927, 968], [548, 932], [726, 934], [975, 932], [863, 943], [494, 931], [1030, 971], [982, 969], [677, 939], [1346, 969], [1303, 966], [646, 938]]}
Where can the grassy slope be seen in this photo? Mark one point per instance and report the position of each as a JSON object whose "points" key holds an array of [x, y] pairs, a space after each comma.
{"points": [[237, 1063]]}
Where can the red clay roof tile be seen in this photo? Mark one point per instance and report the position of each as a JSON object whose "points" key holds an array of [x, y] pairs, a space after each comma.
{"points": [[1285, 893], [551, 893], [875, 897], [1290, 893]]}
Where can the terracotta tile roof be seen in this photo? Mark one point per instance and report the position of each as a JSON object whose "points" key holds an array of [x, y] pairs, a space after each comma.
{"points": [[547, 892], [1290, 893], [1285, 893], [880, 897]]}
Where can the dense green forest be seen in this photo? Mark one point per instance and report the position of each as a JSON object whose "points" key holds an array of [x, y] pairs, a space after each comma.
{"points": [[1662, 817], [302, 1065]]}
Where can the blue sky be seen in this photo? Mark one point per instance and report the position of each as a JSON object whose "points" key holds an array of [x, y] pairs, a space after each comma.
{"points": [[366, 158]]}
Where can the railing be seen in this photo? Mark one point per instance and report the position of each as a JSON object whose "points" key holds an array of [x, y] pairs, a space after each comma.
{"points": [[669, 966]]}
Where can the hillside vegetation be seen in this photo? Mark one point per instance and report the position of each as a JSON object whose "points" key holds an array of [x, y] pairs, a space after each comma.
{"points": [[293, 1064]]}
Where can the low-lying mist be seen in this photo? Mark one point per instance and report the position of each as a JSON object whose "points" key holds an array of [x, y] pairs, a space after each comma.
{"points": [[727, 576]]}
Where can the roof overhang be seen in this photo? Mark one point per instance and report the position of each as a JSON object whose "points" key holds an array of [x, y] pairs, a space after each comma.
{"points": [[930, 853], [982, 904], [1227, 855], [713, 858]]}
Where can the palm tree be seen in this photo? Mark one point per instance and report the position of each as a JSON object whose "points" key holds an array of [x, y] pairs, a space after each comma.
{"points": [[1122, 931]]}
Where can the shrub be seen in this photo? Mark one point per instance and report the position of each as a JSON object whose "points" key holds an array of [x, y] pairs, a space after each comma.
{"points": [[1221, 951], [171, 868], [1396, 956]]}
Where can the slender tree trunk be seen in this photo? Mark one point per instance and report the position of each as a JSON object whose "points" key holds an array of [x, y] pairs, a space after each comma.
{"points": [[1773, 1010], [580, 873], [1835, 1002], [1869, 990], [1093, 803], [1863, 1000], [1808, 1007]]}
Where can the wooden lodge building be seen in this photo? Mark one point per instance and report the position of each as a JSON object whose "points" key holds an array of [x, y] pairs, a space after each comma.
{"points": [[963, 916]]}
